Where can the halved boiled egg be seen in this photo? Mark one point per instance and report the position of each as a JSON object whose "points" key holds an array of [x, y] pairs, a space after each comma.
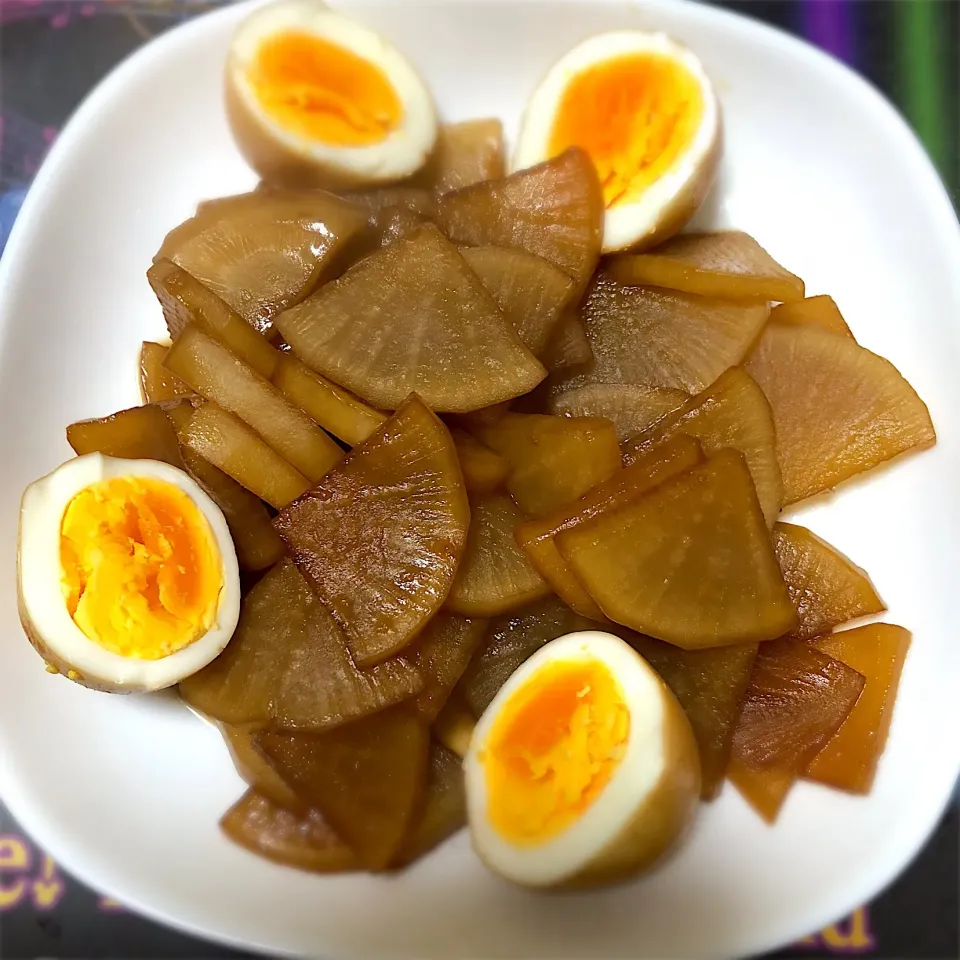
{"points": [[317, 99], [127, 574], [644, 109], [583, 769]]}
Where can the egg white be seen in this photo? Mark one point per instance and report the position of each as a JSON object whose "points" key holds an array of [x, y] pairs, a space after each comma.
{"points": [[665, 206], [605, 835], [43, 609], [281, 155]]}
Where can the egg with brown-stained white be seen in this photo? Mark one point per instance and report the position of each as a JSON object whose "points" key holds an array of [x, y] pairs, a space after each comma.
{"points": [[315, 99], [127, 574], [642, 106], [583, 770]]}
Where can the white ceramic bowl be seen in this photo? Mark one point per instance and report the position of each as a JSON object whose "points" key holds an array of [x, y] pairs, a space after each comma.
{"points": [[126, 792]]}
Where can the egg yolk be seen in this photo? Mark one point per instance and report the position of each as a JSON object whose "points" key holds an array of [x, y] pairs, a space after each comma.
{"points": [[141, 570], [553, 748], [323, 92], [634, 115]]}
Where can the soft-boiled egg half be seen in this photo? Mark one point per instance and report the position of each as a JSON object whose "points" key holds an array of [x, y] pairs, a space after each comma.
{"points": [[645, 111], [127, 574], [316, 99], [583, 769]]}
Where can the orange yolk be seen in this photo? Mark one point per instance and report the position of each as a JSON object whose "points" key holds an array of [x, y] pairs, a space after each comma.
{"points": [[322, 92], [552, 750], [634, 115], [141, 569]]}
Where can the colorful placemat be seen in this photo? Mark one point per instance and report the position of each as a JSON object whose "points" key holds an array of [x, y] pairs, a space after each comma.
{"points": [[53, 51]]}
